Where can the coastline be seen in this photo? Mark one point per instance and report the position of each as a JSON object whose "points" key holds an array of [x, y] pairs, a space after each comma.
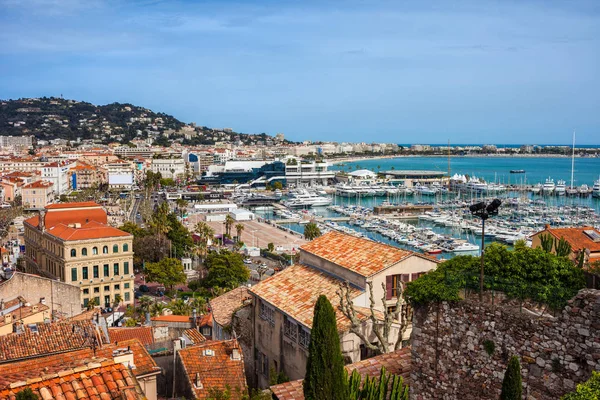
{"points": [[363, 158]]}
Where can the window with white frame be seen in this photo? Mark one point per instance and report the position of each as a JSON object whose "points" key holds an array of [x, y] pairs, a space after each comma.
{"points": [[303, 337], [290, 328], [267, 313]]}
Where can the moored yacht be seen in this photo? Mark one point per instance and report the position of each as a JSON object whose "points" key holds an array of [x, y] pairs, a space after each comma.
{"points": [[549, 186], [537, 188], [561, 188], [584, 190], [596, 189]]}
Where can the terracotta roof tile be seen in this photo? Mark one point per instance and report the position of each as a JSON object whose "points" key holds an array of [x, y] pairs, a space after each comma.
{"points": [[295, 291], [52, 364], [90, 230], [363, 256], [206, 320], [194, 336], [396, 362], [38, 185], [143, 333], [575, 236], [217, 371], [172, 318], [70, 384], [82, 204], [49, 339], [224, 306]]}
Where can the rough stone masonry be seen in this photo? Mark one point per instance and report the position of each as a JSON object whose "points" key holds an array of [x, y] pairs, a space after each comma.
{"points": [[452, 342]]}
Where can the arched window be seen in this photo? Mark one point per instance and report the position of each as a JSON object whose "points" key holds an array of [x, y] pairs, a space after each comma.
{"points": [[73, 253], [115, 248], [94, 250], [125, 248], [84, 251], [105, 250]]}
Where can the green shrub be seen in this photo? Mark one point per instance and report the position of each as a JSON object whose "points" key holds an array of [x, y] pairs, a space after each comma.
{"points": [[511, 385], [489, 346], [589, 390]]}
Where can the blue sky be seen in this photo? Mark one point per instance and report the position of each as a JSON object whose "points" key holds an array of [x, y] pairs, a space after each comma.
{"points": [[397, 71]]}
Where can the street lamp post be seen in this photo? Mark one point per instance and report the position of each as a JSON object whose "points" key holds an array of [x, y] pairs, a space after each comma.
{"points": [[484, 211]]}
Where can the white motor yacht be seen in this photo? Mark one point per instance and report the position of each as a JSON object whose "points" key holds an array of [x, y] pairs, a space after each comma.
{"points": [[549, 186], [561, 188], [584, 190], [465, 247], [596, 189], [537, 188]]}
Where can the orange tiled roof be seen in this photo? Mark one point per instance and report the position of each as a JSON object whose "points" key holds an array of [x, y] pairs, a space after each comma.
{"points": [[397, 362], [81, 204], [98, 381], [194, 336], [90, 230], [24, 312], [143, 333], [206, 320], [576, 237], [217, 371], [172, 318], [50, 364], [224, 306], [38, 185], [50, 339], [295, 291], [363, 256]]}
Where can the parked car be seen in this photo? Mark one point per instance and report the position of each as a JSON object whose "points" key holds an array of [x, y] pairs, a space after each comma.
{"points": [[247, 261], [144, 289]]}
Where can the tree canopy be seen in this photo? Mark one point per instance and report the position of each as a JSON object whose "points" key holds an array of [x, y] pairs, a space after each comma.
{"points": [[311, 231], [511, 384], [225, 270], [589, 390], [523, 272], [168, 272]]}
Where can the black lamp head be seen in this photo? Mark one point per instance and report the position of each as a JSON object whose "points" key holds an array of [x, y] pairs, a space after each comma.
{"points": [[492, 208], [477, 207]]}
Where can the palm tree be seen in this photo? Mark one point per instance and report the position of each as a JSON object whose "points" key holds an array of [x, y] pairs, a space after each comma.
{"points": [[229, 221], [206, 233], [179, 307], [145, 304], [92, 304], [311, 231], [159, 221], [157, 309], [239, 228], [199, 304]]}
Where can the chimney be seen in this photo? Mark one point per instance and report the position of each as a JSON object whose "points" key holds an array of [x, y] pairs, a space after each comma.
{"points": [[547, 226], [194, 318], [42, 223], [235, 354], [8, 318], [198, 382], [148, 321]]}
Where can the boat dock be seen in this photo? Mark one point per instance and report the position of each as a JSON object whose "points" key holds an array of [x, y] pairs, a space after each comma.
{"points": [[412, 209]]}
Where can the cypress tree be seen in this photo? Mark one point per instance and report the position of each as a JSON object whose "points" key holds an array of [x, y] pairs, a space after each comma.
{"points": [[511, 385], [325, 376]]}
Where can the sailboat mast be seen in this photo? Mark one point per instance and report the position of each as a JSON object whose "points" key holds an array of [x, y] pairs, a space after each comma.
{"points": [[573, 160], [448, 164]]}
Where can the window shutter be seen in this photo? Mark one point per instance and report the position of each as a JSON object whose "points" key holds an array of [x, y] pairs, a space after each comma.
{"points": [[388, 287], [405, 277]]}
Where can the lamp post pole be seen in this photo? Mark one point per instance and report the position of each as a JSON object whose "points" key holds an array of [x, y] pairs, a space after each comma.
{"points": [[482, 259]]}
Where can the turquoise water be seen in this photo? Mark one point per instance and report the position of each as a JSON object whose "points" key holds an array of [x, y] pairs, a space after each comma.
{"points": [[587, 169]]}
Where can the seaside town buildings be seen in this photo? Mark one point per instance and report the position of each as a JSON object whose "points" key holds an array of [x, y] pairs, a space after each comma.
{"points": [[73, 243], [283, 304]]}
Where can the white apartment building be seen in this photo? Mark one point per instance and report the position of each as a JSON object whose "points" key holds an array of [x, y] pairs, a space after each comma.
{"points": [[59, 174], [126, 151], [307, 172], [16, 141], [120, 175], [168, 167]]}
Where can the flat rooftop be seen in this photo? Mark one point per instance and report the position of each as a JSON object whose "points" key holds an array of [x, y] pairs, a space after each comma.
{"points": [[411, 173]]}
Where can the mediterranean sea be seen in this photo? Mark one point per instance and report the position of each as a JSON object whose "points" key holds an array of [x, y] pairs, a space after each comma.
{"points": [[492, 169]]}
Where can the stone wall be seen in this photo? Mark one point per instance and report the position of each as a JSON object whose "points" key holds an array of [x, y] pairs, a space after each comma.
{"points": [[450, 360], [63, 299]]}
